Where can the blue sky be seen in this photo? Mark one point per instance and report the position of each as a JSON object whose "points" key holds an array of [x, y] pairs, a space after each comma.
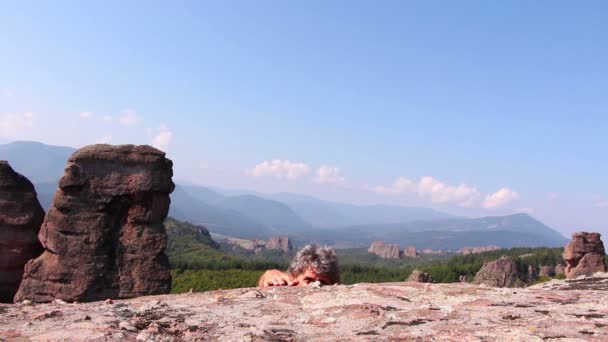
{"points": [[472, 107]]}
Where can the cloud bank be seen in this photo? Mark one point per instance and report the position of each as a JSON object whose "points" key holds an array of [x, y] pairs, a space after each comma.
{"points": [[281, 169]]}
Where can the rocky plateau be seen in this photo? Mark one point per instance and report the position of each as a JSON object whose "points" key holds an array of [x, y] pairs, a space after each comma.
{"points": [[362, 312]]}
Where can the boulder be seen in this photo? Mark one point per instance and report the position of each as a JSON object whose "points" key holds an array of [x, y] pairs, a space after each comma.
{"points": [[560, 269], [584, 255], [420, 277], [547, 271], [386, 251], [20, 219], [500, 273], [104, 235], [281, 243]]}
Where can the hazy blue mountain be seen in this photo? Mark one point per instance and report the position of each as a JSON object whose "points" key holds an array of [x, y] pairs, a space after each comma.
{"points": [[330, 214], [278, 217], [505, 231], [220, 220], [203, 193], [37, 161]]}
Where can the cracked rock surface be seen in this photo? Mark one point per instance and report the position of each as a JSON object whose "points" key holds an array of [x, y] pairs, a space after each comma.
{"points": [[362, 312]]}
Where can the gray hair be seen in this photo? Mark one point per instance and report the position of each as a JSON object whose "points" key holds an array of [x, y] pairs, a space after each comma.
{"points": [[321, 259]]}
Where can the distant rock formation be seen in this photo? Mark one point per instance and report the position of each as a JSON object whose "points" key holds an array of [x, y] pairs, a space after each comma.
{"points": [[478, 249], [531, 275], [500, 273], [560, 269], [584, 255], [420, 277], [386, 251], [410, 251], [547, 271], [392, 251], [281, 243], [463, 278], [20, 219], [104, 235]]}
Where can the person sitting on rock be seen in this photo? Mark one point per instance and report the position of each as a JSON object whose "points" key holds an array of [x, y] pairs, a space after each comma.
{"points": [[311, 264]]}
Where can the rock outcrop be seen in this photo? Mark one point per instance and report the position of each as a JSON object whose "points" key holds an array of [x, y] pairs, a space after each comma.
{"points": [[584, 255], [386, 251], [420, 277], [20, 219], [560, 269], [531, 275], [362, 312], [281, 243], [410, 251], [500, 273], [104, 235], [478, 249], [547, 271]]}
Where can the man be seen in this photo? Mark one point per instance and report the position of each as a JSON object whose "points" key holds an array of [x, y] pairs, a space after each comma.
{"points": [[311, 263]]}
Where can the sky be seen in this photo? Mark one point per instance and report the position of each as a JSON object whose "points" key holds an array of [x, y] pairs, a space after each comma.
{"points": [[475, 108]]}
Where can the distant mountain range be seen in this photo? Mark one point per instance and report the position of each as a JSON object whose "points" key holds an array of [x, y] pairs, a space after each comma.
{"points": [[246, 214]]}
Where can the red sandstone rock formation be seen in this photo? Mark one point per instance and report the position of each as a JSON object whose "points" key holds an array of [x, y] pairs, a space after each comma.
{"points": [[386, 251], [410, 251], [547, 271], [280, 243], [478, 249], [104, 236], [20, 218], [560, 269], [420, 277], [500, 273], [584, 255]]}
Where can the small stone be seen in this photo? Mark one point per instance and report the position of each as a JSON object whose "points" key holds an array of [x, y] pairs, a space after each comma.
{"points": [[26, 302], [87, 318], [124, 325], [60, 302], [109, 301], [315, 284]]}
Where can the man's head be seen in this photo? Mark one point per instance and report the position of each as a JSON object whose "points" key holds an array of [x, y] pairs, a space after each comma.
{"points": [[313, 263]]}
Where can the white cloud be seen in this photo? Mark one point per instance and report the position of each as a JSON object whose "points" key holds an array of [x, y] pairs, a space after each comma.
{"points": [[129, 117], [329, 175], [434, 190], [104, 140], [439, 192], [11, 123], [85, 115], [162, 138], [601, 204], [282, 169], [500, 198]]}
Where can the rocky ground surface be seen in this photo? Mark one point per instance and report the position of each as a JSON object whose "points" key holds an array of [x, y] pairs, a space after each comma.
{"points": [[364, 312]]}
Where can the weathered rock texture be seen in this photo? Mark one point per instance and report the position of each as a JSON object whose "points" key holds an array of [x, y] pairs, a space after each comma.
{"points": [[386, 251], [478, 249], [547, 271], [103, 235], [281, 243], [20, 218], [560, 269], [500, 273], [363, 312], [420, 277], [584, 255]]}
